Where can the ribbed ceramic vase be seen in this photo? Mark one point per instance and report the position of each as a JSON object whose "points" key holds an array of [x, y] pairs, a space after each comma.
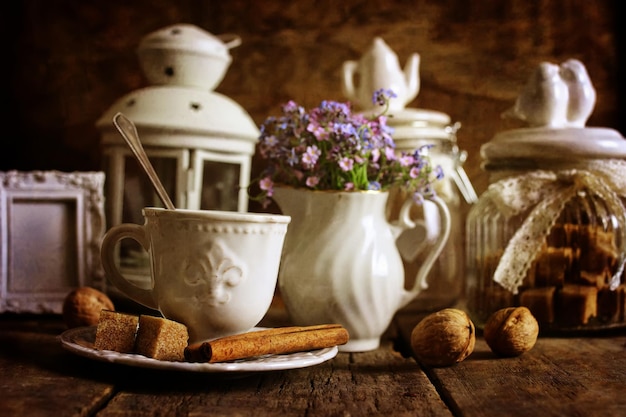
{"points": [[341, 265]]}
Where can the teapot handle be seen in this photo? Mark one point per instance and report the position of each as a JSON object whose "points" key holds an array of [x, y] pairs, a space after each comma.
{"points": [[433, 251], [349, 69]]}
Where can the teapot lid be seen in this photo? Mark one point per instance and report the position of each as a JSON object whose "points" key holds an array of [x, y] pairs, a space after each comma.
{"points": [[190, 38], [556, 102]]}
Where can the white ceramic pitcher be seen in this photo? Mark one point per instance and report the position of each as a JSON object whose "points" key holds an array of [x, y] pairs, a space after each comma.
{"points": [[340, 262]]}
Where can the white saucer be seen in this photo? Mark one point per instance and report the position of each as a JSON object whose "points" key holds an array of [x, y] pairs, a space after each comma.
{"points": [[80, 341]]}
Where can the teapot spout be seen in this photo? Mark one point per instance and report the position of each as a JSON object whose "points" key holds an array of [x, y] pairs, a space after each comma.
{"points": [[412, 77]]}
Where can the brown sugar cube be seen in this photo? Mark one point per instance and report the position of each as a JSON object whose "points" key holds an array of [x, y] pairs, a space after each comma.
{"points": [[612, 304], [557, 236], [540, 301], [577, 304], [621, 301], [161, 339], [572, 234], [609, 303], [598, 250], [116, 331], [552, 266], [489, 263], [597, 279]]}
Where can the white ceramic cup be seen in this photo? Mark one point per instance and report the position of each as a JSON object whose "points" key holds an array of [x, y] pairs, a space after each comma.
{"points": [[214, 271]]}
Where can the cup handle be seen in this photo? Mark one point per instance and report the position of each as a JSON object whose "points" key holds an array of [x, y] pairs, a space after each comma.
{"points": [[433, 251], [108, 256]]}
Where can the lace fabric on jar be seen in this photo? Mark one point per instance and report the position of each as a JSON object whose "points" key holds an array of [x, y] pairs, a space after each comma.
{"points": [[544, 194]]}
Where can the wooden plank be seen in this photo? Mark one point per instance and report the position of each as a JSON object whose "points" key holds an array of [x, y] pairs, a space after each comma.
{"points": [[371, 383], [40, 379], [574, 376]]}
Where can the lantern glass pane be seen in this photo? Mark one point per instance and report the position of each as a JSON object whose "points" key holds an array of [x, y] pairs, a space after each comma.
{"points": [[139, 193], [220, 186]]}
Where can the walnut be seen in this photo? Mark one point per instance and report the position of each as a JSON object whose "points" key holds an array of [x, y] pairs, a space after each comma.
{"points": [[83, 305], [511, 331], [443, 338]]}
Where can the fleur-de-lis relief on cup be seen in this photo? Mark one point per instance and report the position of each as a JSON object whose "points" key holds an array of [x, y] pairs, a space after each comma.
{"points": [[212, 272]]}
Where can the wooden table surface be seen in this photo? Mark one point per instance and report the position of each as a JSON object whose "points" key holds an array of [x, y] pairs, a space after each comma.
{"points": [[573, 376]]}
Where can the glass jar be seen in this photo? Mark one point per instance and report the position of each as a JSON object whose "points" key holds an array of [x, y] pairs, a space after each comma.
{"points": [[549, 233], [414, 128]]}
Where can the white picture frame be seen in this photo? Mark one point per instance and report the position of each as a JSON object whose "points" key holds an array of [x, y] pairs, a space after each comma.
{"points": [[51, 226]]}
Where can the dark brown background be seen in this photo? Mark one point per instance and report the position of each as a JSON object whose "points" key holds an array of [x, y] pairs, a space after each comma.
{"points": [[69, 60]]}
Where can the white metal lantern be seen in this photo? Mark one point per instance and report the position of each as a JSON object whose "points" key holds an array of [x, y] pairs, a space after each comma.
{"points": [[200, 142]]}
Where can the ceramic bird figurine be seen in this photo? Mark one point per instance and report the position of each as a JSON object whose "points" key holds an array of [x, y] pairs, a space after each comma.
{"points": [[582, 95], [543, 102]]}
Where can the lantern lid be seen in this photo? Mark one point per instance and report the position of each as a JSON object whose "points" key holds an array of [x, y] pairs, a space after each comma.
{"points": [[183, 110], [187, 37]]}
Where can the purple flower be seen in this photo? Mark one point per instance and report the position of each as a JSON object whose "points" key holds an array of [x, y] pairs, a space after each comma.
{"points": [[382, 96], [318, 131], [290, 107], [312, 181], [418, 198], [330, 148], [390, 154], [346, 164], [406, 160], [375, 155], [310, 157], [439, 172], [374, 185], [292, 157], [266, 184]]}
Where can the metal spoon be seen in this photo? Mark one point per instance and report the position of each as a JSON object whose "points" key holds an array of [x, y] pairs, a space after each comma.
{"points": [[129, 133]]}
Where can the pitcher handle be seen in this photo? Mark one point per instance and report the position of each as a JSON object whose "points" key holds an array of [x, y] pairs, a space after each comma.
{"points": [[108, 255], [433, 252]]}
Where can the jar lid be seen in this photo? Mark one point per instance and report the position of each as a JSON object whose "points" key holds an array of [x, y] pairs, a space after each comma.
{"points": [[190, 38], [555, 144], [418, 117], [419, 125]]}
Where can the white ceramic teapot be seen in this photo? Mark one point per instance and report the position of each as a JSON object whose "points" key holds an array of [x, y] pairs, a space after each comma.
{"points": [[379, 68]]}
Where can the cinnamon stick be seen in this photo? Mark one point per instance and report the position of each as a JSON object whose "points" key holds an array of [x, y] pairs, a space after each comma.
{"points": [[275, 341]]}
